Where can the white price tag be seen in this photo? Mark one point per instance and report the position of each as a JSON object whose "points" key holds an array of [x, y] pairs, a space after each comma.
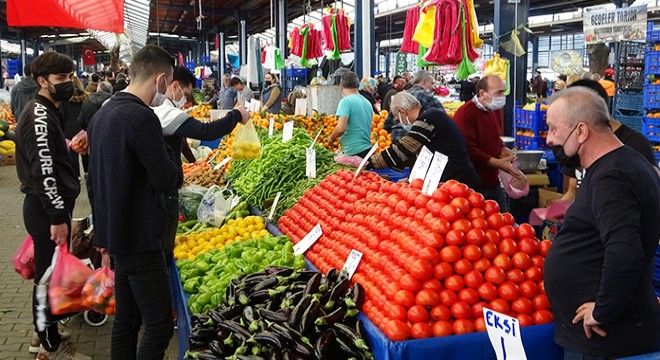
{"points": [[438, 165], [271, 127], [366, 158], [272, 208], [234, 201], [222, 163], [248, 105], [422, 164], [310, 166], [287, 132], [504, 334], [352, 262], [255, 105], [309, 240], [301, 107]]}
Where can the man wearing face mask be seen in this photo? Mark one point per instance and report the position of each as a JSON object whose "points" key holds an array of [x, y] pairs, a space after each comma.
{"points": [[50, 186], [131, 169], [354, 114], [178, 125], [598, 272], [480, 121], [434, 129]]}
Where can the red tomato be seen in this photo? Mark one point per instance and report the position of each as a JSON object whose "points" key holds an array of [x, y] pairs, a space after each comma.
{"points": [[487, 291], [476, 213], [489, 250], [541, 285], [508, 290], [476, 200], [491, 207], [450, 213], [515, 275], [443, 270], [402, 208], [508, 247], [481, 265], [462, 225], [470, 296], [461, 310], [493, 236], [410, 283], [529, 289], [522, 305], [480, 324], [495, 275], [442, 328], [499, 305], [430, 254], [391, 289], [538, 261], [450, 253], [495, 221], [480, 223], [454, 283], [448, 297], [427, 298], [459, 190], [521, 260], [462, 266], [508, 219], [417, 314], [529, 246], [475, 236], [478, 309], [447, 184], [507, 232], [534, 273], [433, 240], [440, 313], [420, 214], [441, 196], [544, 246], [417, 184], [524, 320], [525, 231], [472, 252], [397, 330], [541, 302], [421, 200], [503, 262], [421, 330], [421, 269], [455, 237], [404, 298], [463, 326], [462, 204], [411, 211], [542, 317], [473, 279], [398, 312]]}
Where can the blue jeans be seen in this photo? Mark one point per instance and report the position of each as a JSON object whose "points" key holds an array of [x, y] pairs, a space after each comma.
{"points": [[498, 194], [143, 296], [570, 355]]}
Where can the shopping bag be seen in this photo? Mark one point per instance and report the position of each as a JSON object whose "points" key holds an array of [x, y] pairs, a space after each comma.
{"points": [[79, 143], [515, 187], [67, 281], [99, 290], [215, 205], [246, 142], [23, 260], [425, 27]]}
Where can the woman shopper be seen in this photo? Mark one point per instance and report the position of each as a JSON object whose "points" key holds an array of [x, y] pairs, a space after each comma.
{"points": [[271, 95], [71, 110], [50, 187]]}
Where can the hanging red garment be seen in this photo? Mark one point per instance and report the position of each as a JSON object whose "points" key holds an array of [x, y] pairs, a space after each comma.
{"points": [[437, 53], [343, 31], [455, 51], [263, 55], [107, 15], [328, 42], [296, 42], [409, 45], [315, 47]]}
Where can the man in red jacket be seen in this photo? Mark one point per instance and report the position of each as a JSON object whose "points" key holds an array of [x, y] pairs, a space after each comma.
{"points": [[480, 121]]}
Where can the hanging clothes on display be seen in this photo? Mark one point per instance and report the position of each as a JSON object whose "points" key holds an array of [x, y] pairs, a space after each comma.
{"points": [[252, 71], [306, 42], [271, 58], [409, 45], [336, 32]]}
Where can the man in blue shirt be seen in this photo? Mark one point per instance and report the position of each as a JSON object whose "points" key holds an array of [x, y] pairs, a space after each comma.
{"points": [[354, 115]]}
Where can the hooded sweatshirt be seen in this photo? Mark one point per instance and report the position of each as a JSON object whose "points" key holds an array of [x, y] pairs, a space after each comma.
{"points": [[21, 94], [71, 110], [90, 106]]}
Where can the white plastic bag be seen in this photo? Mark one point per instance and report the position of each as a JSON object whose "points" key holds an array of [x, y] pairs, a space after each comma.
{"points": [[215, 205], [515, 187]]}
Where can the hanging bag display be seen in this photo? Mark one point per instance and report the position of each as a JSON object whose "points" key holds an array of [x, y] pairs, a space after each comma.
{"points": [[426, 26], [412, 18]]}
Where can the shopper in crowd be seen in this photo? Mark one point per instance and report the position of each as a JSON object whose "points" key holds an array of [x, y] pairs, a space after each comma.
{"points": [[468, 88], [608, 84], [110, 77], [131, 168], [391, 125], [71, 109], [538, 85], [91, 105], [480, 121], [368, 89], [596, 77], [244, 93], [626, 135], [85, 79], [226, 95], [598, 272], [289, 107], [407, 76], [434, 129], [422, 90], [393, 89], [120, 84], [177, 125], [560, 83], [50, 187], [93, 84], [271, 95], [23, 92], [354, 117]]}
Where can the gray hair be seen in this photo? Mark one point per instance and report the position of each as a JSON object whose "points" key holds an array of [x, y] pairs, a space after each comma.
{"points": [[583, 105], [350, 80], [421, 76], [104, 86], [403, 101]]}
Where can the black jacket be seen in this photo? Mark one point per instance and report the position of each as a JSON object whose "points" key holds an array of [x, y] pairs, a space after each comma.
{"points": [[130, 170], [21, 94], [71, 109], [90, 107], [42, 159]]}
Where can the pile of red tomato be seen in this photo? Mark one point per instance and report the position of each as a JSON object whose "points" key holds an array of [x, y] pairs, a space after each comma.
{"points": [[430, 263]]}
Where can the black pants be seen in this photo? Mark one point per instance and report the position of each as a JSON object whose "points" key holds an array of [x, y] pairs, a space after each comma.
{"points": [[37, 224], [172, 205], [143, 296]]}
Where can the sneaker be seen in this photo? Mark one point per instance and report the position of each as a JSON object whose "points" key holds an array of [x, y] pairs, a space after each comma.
{"points": [[65, 352], [35, 343]]}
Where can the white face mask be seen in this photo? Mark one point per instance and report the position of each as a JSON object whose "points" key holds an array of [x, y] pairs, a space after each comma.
{"points": [[407, 127], [159, 98], [498, 103], [181, 102]]}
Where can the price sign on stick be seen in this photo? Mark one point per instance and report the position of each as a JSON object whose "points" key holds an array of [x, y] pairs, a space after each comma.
{"points": [[433, 176], [352, 262], [287, 131], [504, 335], [317, 136], [272, 208], [422, 164], [301, 107], [271, 127], [310, 165], [309, 240], [222, 163], [366, 158]]}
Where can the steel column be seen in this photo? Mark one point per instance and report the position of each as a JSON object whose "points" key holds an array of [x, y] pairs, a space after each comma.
{"points": [[535, 52], [365, 44], [23, 53], [242, 38], [281, 28]]}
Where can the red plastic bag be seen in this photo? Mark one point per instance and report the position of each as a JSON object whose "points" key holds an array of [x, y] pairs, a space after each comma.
{"points": [[24, 259], [99, 291], [79, 143], [66, 283], [515, 188], [408, 45]]}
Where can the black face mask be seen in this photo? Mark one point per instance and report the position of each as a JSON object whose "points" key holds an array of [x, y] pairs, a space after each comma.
{"points": [[563, 159], [63, 91], [268, 83]]}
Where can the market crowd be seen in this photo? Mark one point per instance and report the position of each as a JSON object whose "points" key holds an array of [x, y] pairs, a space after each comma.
{"points": [[598, 272]]}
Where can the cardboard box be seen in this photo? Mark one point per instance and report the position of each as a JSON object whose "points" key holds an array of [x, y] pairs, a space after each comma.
{"points": [[9, 159], [548, 195], [538, 179]]}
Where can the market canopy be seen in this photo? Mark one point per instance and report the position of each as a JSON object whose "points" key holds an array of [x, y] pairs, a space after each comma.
{"points": [[106, 15]]}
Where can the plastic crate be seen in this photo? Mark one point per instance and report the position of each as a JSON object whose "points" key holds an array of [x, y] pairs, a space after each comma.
{"points": [[632, 121], [628, 101], [652, 63], [651, 128], [530, 143], [652, 36], [296, 73], [534, 120], [393, 175], [652, 96], [631, 53]]}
